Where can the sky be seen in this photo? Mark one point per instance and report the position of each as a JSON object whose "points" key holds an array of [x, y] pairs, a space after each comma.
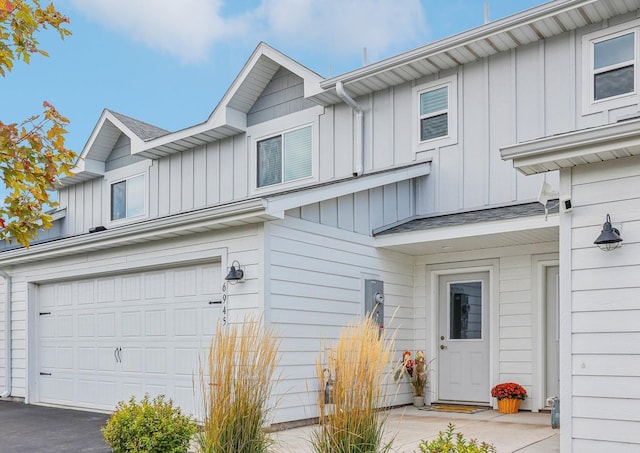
{"points": [[169, 62]]}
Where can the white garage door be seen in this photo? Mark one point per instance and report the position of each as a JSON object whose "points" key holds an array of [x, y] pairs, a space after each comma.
{"points": [[103, 340]]}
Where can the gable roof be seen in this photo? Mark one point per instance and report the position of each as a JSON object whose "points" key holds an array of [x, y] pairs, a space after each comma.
{"points": [[143, 130], [544, 21], [105, 134], [230, 116]]}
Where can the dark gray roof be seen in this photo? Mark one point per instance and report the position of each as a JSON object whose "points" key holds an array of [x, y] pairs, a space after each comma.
{"points": [[143, 130], [464, 218]]}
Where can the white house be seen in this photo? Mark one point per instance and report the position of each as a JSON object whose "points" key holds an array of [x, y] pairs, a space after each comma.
{"points": [[400, 172]]}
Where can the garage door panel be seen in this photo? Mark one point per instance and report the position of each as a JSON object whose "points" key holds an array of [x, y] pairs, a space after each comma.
{"points": [[87, 358], [107, 324], [127, 335], [86, 295], [106, 291], [155, 323], [131, 358], [87, 325], [131, 323]]}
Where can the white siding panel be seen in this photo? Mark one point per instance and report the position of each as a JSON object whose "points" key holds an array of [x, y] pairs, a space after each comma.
{"points": [[560, 85], [187, 180], [343, 146], [175, 173], [383, 132], [165, 186], [200, 177], [213, 173], [327, 144], [501, 127], [316, 281], [403, 103], [240, 167], [226, 170], [476, 139]]}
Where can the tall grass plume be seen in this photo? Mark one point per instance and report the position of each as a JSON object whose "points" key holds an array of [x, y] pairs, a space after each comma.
{"points": [[236, 384], [359, 368]]}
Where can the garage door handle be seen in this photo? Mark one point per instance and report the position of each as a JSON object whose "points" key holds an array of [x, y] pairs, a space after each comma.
{"points": [[116, 354]]}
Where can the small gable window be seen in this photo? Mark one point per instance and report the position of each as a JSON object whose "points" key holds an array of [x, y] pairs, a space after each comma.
{"points": [[127, 198], [285, 157]]}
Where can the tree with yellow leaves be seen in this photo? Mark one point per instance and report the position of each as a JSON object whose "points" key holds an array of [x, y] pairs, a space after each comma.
{"points": [[32, 153]]}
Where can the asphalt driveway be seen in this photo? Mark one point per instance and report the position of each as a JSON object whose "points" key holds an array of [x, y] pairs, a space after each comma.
{"points": [[26, 428]]}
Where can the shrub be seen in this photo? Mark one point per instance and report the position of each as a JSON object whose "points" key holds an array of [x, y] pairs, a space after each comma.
{"points": [[357, 365], [450, 442], [236, 385], [148, 426]]}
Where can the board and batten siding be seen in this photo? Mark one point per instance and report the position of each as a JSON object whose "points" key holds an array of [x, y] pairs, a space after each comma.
{"points": [[604, 311], [241, 243], [515, 310], [315, 277], [363, 211]]}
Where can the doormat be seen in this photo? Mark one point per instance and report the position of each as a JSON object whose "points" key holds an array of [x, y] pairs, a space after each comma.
{"points": [[455, 408]]}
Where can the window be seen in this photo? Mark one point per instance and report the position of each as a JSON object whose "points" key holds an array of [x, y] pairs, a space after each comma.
{"points": [[285, 157], [436, 114], [127, 198], [614, 66], [609, 71]]}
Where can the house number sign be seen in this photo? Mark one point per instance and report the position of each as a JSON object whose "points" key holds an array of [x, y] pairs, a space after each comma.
{"points": [[224, 303]]}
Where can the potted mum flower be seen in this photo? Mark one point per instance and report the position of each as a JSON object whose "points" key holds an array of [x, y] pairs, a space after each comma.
{"points": [[417, 371], [509, 395]]}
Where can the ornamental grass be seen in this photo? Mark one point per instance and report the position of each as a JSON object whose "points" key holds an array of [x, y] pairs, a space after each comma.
{"points": [[236, 385], [359, 368]]}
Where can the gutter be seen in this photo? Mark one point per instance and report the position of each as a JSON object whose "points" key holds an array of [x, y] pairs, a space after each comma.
{"points": [[359, 138], [7, 337]]}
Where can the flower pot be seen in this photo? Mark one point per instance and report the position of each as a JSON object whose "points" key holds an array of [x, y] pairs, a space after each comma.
{"points": [[508, 406], [418, 401]]}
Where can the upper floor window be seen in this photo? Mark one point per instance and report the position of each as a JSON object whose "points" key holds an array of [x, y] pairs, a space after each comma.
{"points": [[610, 68], [614, 66], [434, 113], [436, 121], [285, 157], [127, 198]]}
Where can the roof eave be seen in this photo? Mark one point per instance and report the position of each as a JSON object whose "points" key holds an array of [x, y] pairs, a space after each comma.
{"points": [[598, 144]]}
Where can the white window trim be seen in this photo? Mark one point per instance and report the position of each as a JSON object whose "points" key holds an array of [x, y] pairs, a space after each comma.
{"points": [[589, 105], [279, 126], [122, 174], [451, 82]]}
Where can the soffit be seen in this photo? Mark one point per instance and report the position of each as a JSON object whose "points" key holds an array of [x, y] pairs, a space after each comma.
{"points": [[598, 144], [545, 21]]}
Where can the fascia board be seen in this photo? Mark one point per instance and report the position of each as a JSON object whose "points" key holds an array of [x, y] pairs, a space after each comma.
{"points": [[466, 231], [462, 39], [140, 232], [280, 203], [574, 145]]}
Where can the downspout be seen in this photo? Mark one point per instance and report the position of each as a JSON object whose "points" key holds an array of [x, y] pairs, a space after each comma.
{"points": [[358, 169], [7, 336]]}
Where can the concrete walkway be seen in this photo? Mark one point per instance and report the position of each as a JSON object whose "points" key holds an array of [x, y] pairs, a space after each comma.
{"points": [[524, 432]]}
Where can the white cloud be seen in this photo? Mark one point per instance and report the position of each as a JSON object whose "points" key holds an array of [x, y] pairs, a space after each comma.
{"points": [[190, 29], [345, 27], [184, 28]]}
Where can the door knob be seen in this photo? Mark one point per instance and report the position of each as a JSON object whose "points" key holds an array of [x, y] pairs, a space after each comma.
{"points": [[443, 346], [442, 337]]}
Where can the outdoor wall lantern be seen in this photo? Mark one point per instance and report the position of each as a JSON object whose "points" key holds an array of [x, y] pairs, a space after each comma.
{"points": [[235, 273], [609, 238]]}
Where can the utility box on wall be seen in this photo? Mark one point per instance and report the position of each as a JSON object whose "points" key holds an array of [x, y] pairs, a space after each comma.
{"points": [[374, 300]]}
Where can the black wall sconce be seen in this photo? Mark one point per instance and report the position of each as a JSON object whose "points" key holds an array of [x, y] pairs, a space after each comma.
{"points": [[235, 273], [609, 238]]}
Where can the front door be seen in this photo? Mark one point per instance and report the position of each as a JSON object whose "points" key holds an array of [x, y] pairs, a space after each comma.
{"points": [[463, 337]]}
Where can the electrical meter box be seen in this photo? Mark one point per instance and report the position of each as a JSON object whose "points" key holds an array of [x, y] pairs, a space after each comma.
{"points": [[374, 300]]}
